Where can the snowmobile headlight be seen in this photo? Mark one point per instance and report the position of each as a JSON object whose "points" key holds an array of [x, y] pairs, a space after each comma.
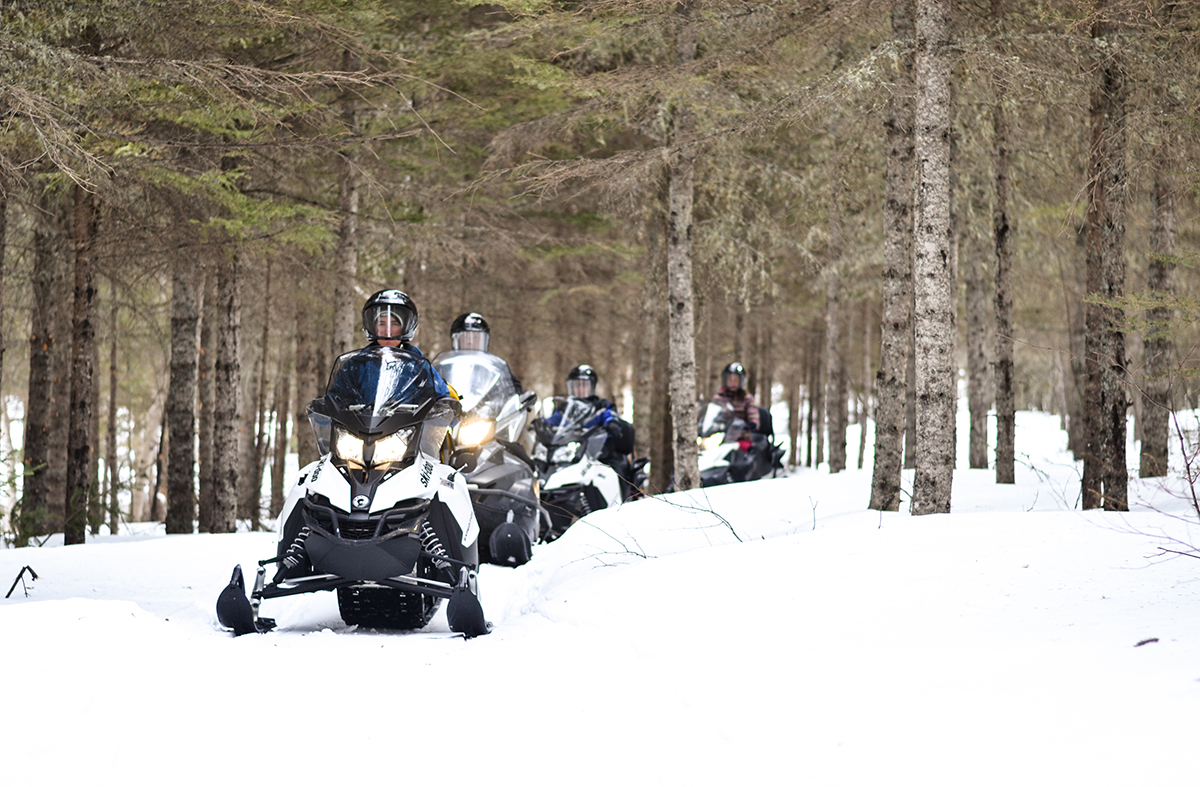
{"points": [[475, 433], [392, 448], [566, 453], [348, 447], [712, 441]]}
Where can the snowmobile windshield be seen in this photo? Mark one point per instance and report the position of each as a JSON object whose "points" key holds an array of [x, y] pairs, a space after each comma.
{"points": [[719, 419], [379, 381], [481, 380], [567, 422]]}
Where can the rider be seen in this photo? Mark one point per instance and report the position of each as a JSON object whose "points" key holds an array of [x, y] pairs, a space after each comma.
{"points": [[470, 333], [737, 402], [389, 320], [581, 384]]}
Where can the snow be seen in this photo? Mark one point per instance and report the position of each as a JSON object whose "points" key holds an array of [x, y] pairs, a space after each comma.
{"points": [[775, 630]]}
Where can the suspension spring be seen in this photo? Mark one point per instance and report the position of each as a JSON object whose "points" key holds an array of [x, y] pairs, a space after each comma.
{"points": [[433, 545], [295, 551]]}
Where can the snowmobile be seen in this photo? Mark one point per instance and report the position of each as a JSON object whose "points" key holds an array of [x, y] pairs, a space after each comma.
{"points": [[502, 476], [723, 460], [381, 518], [575, 482]]}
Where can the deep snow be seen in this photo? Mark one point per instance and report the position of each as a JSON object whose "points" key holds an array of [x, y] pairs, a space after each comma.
{"points": [[774, 631]]}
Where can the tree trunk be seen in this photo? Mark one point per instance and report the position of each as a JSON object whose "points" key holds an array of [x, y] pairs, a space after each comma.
{"points": [[865, 415], [835, 378], [662, 465], [227, 419], [206, 396], [980, 388], [681, 318], [283, 398], [311, 374], [1002, 235], [181, 399], [257, 421], [1160, 281], [793, 396], [83, 372], [44, 490], [643, 411], [345, 311], [1104, 468], [160, 467], [895, 320], [110, 448], [933, 272]]}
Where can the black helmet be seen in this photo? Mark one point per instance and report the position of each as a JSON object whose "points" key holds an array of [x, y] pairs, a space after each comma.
{"points": [[389, 306], [470, 332], [734, 368], [581, 381]]}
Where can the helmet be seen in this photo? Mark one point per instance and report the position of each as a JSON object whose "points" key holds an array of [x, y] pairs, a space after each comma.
{"points": [[470, 332], [734, 368], [387, 307], [581, 381]]}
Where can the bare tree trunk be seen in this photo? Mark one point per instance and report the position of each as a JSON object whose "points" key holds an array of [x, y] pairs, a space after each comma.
{"points": [[793, 397], [181, 398], [662, 465], [835, 378], [681, 320], [206, 395], [818, 399], [110, 448], [894, 380], [312, 372], [283, 398], [1104, 468], [643, 410], [345, 313], [933, 272], [44, 490], [980, 388], [865, 414], [1002, 233], [160, 467], [1160, 346], [83, 373], [258, 437], [3, 247], [227, 405]]}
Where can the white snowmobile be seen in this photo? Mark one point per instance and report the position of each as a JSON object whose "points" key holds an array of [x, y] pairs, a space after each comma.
{"points": [[723, 460], [488, 449], [380, 518], [575, 482]]}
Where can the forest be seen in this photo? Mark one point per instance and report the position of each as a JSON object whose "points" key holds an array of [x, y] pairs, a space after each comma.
{"points": [[885, 209]]}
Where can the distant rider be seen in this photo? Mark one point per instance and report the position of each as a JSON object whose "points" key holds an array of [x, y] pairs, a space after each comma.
{"points": [[736, 402], [470, 333], [581, 384]]}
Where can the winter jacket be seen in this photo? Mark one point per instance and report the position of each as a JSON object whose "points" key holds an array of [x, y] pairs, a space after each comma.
{"points": [[741, 402]]}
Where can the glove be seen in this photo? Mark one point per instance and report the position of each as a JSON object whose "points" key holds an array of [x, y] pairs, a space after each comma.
{"points": [[613, 427]]}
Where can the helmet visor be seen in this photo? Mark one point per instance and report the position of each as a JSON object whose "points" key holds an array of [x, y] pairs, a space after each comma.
{"points": [[580, 388], [388, 321], [470, 340]]}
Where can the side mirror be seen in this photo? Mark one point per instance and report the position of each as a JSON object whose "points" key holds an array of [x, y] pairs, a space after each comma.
{"points": [[465, 458], [527, 400]]}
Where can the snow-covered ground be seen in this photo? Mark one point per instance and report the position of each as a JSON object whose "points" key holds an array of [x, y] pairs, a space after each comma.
{"points": [[775, 632]]}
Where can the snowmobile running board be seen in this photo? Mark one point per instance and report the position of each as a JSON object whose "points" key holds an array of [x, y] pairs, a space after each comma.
{"points": [[235, 611]]}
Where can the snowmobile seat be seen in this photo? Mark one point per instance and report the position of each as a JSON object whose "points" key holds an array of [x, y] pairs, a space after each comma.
{"points": [[765, 426]]}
